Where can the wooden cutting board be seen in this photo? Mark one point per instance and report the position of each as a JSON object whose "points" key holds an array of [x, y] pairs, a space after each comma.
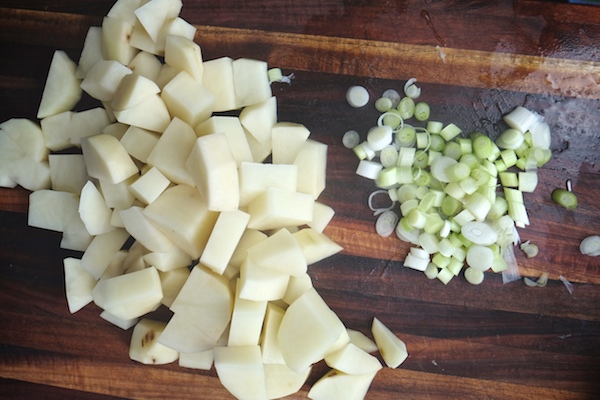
{"points": [[475, 61]]}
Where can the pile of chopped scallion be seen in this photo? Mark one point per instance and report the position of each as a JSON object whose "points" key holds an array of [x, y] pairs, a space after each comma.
{"points": [[456, 197]]}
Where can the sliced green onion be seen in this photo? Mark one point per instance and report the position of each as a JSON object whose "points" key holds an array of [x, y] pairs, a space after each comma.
{"points": [[407, 234], [445, 276], [530, 250], [457, 172], [565, 198], [434, 223], [452, 150], [510, 179], [466, 145], [498, 209], [455, 190], [406, 156], [435, 127], [437, 143], [411, 90], [450, 206], [483, 146], [275, 75], [440, 166], [440, 260], [388, 156], [422, 178], [350, 139], [383, 104], [480, 257], [386, 223], [429, 242], [431, 271], [407, 206], [368, 169], [421, 159], [379, 137], [364, 152], [378, 210], [406, 136], [406, 107], [387, 178], [474, 276], [393, 95], [420, 264], [509, 157], [357, 96], [510, 139], [422, 111], [450, 131], [392, 119], [520, 119], [590, 246], [406, 192], [528, 181], [404, 175], [479, 233]]}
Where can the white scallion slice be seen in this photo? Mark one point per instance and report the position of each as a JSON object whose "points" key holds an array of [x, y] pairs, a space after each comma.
{"points": [[350, 139], [530, 250], [386, 223], [388, 156], [397, 122], [474, 276], [480, 257], [439, 168], [520, 118], [590, 246], [420, 264], [379, 210], [357, 96], [379, 137], [411, 90], [393, 95], [480, 233], [368, 169]]}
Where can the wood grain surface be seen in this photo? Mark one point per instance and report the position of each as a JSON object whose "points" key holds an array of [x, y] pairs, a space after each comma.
{"points": [[475, 60]]}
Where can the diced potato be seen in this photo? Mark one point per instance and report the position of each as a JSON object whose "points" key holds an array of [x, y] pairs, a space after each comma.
{"points": [[258, 119], [116, 35], [287, 138], [139, 142], [251, 81], [144, 346], [117, 195], [106, 158], [241, 372], [312, 164], [281, 381], [316, 246], [188, 99], [120, 322], [247, 320], [280, 252], [231, 126], [322, 215], [259, 284], [48, 209], [391, 347], [79, 284], [182, 215], [28, 136], [218, 79], [101, 250], [277, 208], [361, 341], [143, 231], [153, 14], [62, 89], [146, 64], [132, 90], [149, 186], [131, 295], [200, 360], [151, 114], [269, 344], [172, 281], [174, 26], [255, 178], [125, 10], [338, 385], [185, 55], [93, 210], [91, 52], [67, 172], [103, 78], [249, 238], [297, 286], [87, 123], [223, 239], [308, 330], [55, 129], [353, 360], [214, 171], [172, 150], [165, 261]]}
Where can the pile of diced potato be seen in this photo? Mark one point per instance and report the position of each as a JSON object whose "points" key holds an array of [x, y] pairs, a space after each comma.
{"points": [[173, 202]]}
